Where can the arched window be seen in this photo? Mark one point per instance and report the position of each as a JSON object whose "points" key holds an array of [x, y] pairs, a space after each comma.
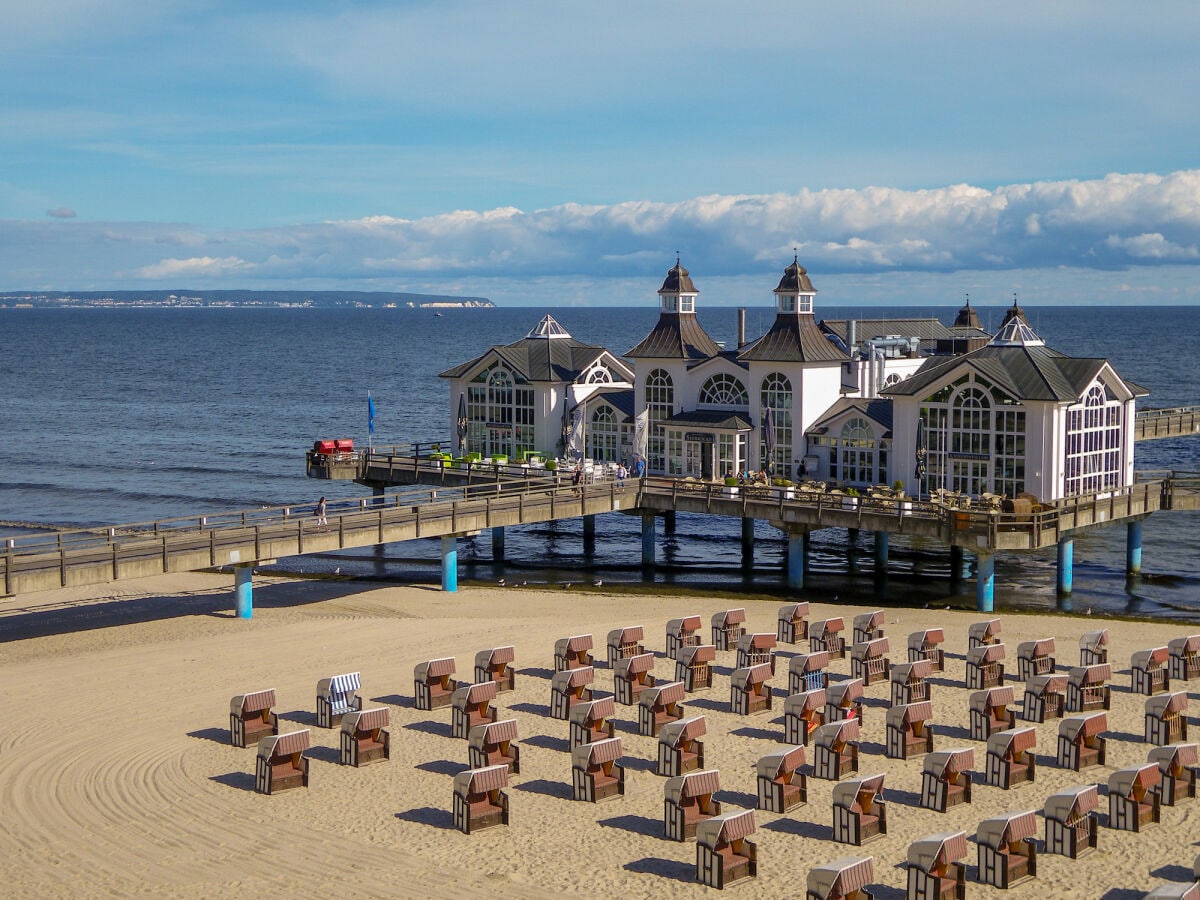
{"points": [[859, 454], [776, 396], [660, 402], [499, 413], [604, 434], [599, 375], [724, 390], [1094, 443]]}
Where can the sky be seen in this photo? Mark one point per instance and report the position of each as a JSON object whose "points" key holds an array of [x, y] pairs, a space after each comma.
{"points": [[547, 153]]}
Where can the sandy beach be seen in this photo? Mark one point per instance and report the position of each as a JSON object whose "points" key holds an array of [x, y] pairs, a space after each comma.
{"points": [[117, 776]]}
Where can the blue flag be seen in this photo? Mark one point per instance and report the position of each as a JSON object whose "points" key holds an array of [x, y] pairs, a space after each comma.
{"points": [[370, 414]]}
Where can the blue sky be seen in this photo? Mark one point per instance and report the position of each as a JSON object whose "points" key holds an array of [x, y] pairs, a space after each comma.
{"points": [[542, 152]]}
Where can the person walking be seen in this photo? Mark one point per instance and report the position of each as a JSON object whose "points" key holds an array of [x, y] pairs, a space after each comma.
{"points": [[319, 512]]}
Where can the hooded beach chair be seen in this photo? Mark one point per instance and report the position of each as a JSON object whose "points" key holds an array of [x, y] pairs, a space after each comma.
{"points": [[982, 633], [1087, 688], [337, 696], [756, 649], [496, 665], [926, 645], [869, 662], [480, 800], [693, 666], [835, 750], [592, 721], [432, 684], [250, 718], [281, 764], [908, 730], [806, 672], [631, 676], [792, 624], [1166, 718], [471, 705], [844, 700], [1007, 852], [946, 778], [568, 687], [1148, 672], [495, 744], [1010, 759], [868, 626], [1079, 742], [680, 749], [843, 879], [825, 634], [934, 870], [595, 773], [1175, 890], [859, 810], [365, 738], [908, 682], [782, 786], [725, 855], [991, 711], [1070, 817], [802, 713], [727, 628], [624, 643], [1093, 647], [1035, 658], [659, 705], [750, 690], [985, 666], [1184, 657], [688, 801], [1177, 771], [1045, 697], [1133, 800], [573, 653], [682, 633]]}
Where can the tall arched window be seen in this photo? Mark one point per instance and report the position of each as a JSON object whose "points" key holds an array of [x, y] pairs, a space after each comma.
{"points": [[724, 390], [604, 434], [777, 396], [660, 402], [500, 414], [974, 437], [970, 441], [1094, 443], [859, 454]]}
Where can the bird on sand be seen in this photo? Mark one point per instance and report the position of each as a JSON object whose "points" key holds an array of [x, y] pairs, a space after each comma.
{"points": [[599, 582]]}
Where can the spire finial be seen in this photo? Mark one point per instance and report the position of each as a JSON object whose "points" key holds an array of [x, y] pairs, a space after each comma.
{"points": [[968, 296], [676, 257], [1014, 299], [796, 255]]}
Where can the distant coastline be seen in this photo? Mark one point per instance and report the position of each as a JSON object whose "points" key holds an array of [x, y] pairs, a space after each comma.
{"points": [[235, 299]]}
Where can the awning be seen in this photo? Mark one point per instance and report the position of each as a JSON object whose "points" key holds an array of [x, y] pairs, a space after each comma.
{"points": [[1075, 728], [758, 641], [729, 617], [842, 876], [751, 675], [804, 663], [1038, 649], [1072, 804], [1123, 782], [911, 672], [686, 625], [937, 850], [921, 640], [1174, 757], [1041, 685], [872, 649], [845, 692], [366, 720], [479, 781], [869, 621], [703, 653], [805, 701], [684, 730], [823, 627], [1003, 830], [725, 828], [949, 762], [1012, 741], [983, 630], [834, 733], [284, 744], [793, 612], [775, 764], [1090, 675], [986, 653], [630, 635], [909, 713], [435, 668], [1162, 704], [1146, 659], [982, 701], [672, 692], [1094, 640], [494, 657]]}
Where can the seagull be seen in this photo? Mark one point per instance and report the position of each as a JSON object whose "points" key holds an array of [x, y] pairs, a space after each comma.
{"points": [[598, 583], [566, 585], [337, 571], [500, 582]]}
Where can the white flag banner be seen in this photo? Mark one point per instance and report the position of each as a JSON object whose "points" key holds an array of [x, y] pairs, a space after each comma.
{"points": [[641, 433], [575, 444]]}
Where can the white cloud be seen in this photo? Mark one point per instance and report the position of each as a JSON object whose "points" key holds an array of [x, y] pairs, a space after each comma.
{"points": [[61, 212], [196, 266]]}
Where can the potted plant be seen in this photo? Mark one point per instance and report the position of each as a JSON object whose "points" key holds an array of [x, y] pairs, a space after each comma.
{"points": [[551, 465], [731, 486], [850, 498], [788, 490], [904, 503]]}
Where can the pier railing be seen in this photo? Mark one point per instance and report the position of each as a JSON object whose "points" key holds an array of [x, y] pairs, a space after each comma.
{"points": [[1149, 424]]}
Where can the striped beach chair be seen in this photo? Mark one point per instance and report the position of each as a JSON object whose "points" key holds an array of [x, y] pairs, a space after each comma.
{"points": [[869, 662], [934, 868], [946, 778], [756, 649], [843, 879], [624, 643], [573, 653], [251, 718], [693, 666], [802, 714], [1177, 771], [926, 645], [908, 730], [1045, 697], [495, 744], [659, 705], [592, 721], [568, 687], [281, 764], [835, 750], [985, 666], [868, 626], [806, 672], [1087, 689], [1148, 673], [859, 810], [782, 786], [1071, 821], [684, 632], [631, 676], [1010, 758], [909, 683], [1133, 801], [1007, 850], [496, 665], [471, 705], [792, 623], [1184, 657], [680, 749], [844, 700], [750, 690], [990, 712], [1093, 647], [480, 800], [981, 633], [337, 696], [826, 634], [727, 628], [364, 737], [1166, 718], [1080, 744], [725, 855], [688, 801], [1035, 658], [595, 773], [433, 687]]}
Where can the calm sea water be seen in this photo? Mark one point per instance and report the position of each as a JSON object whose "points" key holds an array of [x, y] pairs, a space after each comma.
{"points": [[114, 416]]}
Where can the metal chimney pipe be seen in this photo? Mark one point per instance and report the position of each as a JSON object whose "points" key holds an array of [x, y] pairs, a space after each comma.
{"points": [[851, 335], [741, 327]]}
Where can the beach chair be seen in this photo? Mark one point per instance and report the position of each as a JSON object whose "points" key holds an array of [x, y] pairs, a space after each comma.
{"points": [[1166, 718], [1045, 698], [471, 705], [985, 668], [569, 687], [926, 645], [1093, 647], [1184, 657], [250, 718], [908, 730], [1148, 672], [825, 634], [573, 653], [756, 649], [1079, 742], [982, 633], [844, 700], [806, 672], [1007, 852], [781, 785], [624, 643], [495, 744], [659, 705], [750, 690], [1175, 890], [835, 750], [990, 712], [1176, 770], [802, 713], [496, 665], [1010, 760], [680, 748], [1035, 658], [480, 800], [908, 682], [432, 684], [693, 666], [725, 855], [1133, 800], [281, 764], [868, 662], [595, 773], [868, 626], [727, 628], [688, 801], [843, 879], [934, 870], [682, 633], [631, 676], [792, 624], [859, 810], [592, 721], [946, 779], [1071, 821], [365, 738], [1086, 688], [337, 696]]}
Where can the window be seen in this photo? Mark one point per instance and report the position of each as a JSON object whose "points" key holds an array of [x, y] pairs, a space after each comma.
{"points": [[687, 304], [724, 390], [604, 435], [776, 396], [1094, 450], [599, 375], [660, 402], [500, 414], [857, 452]]}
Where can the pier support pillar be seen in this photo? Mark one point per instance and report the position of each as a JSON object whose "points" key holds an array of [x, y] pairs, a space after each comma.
{"points": [[669, 521], [985, 581], [956, 564], [747, 543], [881, 554], [796, 553], [377, 496], [244, 591], [1133, 548], [1066, 565], [647, 540], [497, 543], [589, 535], [450, 563]]}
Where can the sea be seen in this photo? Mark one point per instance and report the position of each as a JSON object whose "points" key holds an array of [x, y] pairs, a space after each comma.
{"points": [[113, 416]]}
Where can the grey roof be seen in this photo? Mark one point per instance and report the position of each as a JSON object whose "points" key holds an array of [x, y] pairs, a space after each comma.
{"points": [[878, 409], [795, 280], [678, 281], [620, 399], [865, 329], [552, 356], [712, 418], [794, 337], [676, 336]]}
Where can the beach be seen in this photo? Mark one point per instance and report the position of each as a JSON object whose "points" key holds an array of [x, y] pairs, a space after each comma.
{"points": [[117, 775]]}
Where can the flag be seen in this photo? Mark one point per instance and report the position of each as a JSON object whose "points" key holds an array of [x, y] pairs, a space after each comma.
{"points": [[575, 445], [370, 414], [769, 439], [641, 433]]}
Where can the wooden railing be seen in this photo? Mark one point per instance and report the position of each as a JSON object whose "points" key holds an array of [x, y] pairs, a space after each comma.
{"points": [[1163, 423]]}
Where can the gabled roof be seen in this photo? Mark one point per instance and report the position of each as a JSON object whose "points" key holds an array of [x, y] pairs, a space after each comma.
{"points": [[878, 410], [676, 336], [792, 338], [711, 418], [620, 399], [547, 353], [866, 329]]}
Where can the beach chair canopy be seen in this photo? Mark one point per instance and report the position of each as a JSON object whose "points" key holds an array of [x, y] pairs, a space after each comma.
{"points": [[1075, 728], [937, 850], [870, 649], [664, 694], [922, 640], [471, 694], [869, 621], [574, 678], [845, 793], [982, 701], [253, 702], [635, 665], [366, 720], [630, 635], [1081, 676], [1042, 647], [1161, 704], [1184, 646], [984, 630], [834, 733], [823, 627], [759, 641], [284, 744], [1072, 804], [693, 784], [804, 702], [693, 656], [901, 716], [1041, 685], [751, 676], [1123, 781], [941, 763], [845, 692], [729, 617], [1093, 640], [805, 663], [596, 753], [773, 765], [1178, 890], [1174, 757], [1148, 659], [840, 877], [793, 612], [986, 653], [480, 781], [725, 828], [1000, 831], [903, 673], [1012, 741], [683, 730], [686, 625], [434, 668], [576, 644], [495, 657]]}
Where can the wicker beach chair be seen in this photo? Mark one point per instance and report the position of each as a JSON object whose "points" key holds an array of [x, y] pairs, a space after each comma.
{"points": [[281, 764], [991, 711], [1166, 718], [568, 687], [592, 721], [756, 649], [802, 713], [471, 705], [573, 653], [859, 810], [750, 690], [432, 684], [480, 800], [624, 643], [1175, 890], [1177, 771], [251, 718], [982, 633], [926, 645], [1035, 658], [1087, 689], [934, 870], [680, 749], [946, 779], [835, 750], [364, 737], [985, 666], [908, 730], [1007, 852], [631, 676], [1045, 697], [1148, 673], [792, 624], [659, 705], [1133, 801], [909, 683], [688, 801], [682, 633], [806, 672], [825, 634], [595, 773], [337, 696], [1093, 647], [496, 665], [1070, 817], [844, 700], [869, 662], [725, 855], [693, 666], [868, 626], [1079, 742], [1184, 657], [1010, 760], [495, 744], [782, 786], [843, 879], [727, 628]]}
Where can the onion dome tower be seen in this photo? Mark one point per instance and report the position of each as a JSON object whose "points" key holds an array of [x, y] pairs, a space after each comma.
{"points": [[967, 317], [794, 337], [678, 333]]}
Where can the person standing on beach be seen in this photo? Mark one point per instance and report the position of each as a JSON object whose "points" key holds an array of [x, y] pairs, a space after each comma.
{"points": [[319, 512]]}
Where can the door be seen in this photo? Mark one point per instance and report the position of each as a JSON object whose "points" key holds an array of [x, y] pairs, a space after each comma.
{"points": [[693, 464]]}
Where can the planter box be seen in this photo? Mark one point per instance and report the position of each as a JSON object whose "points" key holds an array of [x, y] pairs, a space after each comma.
{"points": [[729, 491], [850, 503]]}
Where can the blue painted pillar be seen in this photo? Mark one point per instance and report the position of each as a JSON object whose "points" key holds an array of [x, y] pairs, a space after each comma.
{"points": [[450, 563], [244, 591], [497, 543], [985, 581], [589, 535], [881, 554], [647, 541], [797, 541], [1066, 565], [747, 543], [1133, 548]]}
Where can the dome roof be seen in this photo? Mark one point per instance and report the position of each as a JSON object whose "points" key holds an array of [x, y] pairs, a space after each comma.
{"points": [[967, 317], [795, 280], [678, 281], [1013, 312]]}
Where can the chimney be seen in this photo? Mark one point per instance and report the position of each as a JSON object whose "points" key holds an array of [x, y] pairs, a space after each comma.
{"points": [[851, 335], [741, 327]]}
